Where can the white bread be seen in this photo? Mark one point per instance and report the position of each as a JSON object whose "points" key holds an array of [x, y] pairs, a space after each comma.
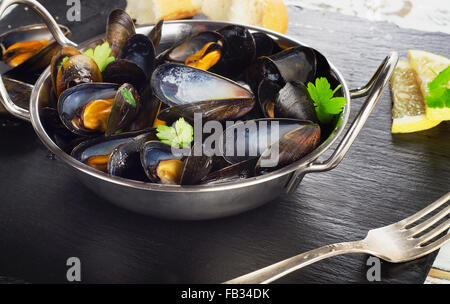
{"points": [[270, 14], [150, 11]]}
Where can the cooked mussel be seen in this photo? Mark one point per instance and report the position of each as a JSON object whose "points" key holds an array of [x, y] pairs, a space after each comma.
{"points": [[125, 108], [290, 101], [95, 152], [163, 166], [291, 147], [296, 64], [188, 90], [242, 170], [265, 45], [124, 161], [202, 50], [155, 33], [227, 51], [160, 164], [28, 49], [84, 109], [240, 50], [119, 28], [135, 64], [247, 140]]}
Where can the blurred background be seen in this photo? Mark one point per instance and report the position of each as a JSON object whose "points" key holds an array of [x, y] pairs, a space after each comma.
{"points": [[425, 15]]}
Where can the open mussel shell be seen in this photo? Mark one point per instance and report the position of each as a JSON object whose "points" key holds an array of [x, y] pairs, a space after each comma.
{"points": [[242, 170], [95, 152], [296, 64], [125, 160], [57, 62], [239, 52], [249, 139], [191, 45], [119, 28], [265, 45], [160, 164], [291, 147], [135, 64], [156, 33], [22, 38], [72, 101], [150, 106], [126, 106], [218, 110], [196, 166], [76, 70], [176, 84], [182, 168], [291, 101]]}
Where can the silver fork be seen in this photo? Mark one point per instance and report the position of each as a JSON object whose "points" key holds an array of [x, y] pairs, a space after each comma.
{"points": [[395, 243]]}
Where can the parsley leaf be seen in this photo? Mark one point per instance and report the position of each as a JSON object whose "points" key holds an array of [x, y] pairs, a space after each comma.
{"points": [[179, 136], [128, 96], [326, 105], [101, 55], [439, 90]]}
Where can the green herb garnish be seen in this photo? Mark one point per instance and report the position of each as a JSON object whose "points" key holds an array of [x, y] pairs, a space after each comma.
{"points": [[101, 55], [439, 90], [326, 105], [128, 96], [179, 136], [62, 62]]}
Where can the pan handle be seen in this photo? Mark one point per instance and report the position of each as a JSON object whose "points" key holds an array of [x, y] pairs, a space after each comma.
{"points": [[59, 36], [373, 90]]}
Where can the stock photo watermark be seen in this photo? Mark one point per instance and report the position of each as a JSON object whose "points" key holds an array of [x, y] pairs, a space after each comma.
{"points": [[74, 12], [373, 274], [73, 273]]}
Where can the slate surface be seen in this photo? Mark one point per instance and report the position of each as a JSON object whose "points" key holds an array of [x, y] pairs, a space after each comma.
{"points": [[47, 216]]}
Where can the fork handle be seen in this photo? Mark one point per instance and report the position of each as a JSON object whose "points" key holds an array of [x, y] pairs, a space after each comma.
{"points": [[282, 268]]}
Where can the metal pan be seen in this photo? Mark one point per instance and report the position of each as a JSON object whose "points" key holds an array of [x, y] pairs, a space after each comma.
{"points": [[201, 201]]}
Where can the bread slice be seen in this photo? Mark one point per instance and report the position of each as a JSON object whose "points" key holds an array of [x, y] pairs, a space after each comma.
{"points": [[150, 11], [270, 14]]}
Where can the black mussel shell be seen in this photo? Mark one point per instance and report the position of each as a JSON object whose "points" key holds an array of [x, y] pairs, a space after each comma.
{"points": [[191, 45], [57, 61], [125, 159], [230, 173], [135, 64], [196, 166], [95, 152], [76, 70], [176, 84], [155, 33], [126, 106], [291, 147], [150, 106], [239, 51], [218, 110], [156, 153], [265, 45], [296, 64], [119, 28], [72, 101], [290, 101], [30, 69], [247, 140]]}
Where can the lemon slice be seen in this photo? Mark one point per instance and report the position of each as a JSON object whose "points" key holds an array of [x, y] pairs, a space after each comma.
{"points": [[428, 65], [408, 110]]}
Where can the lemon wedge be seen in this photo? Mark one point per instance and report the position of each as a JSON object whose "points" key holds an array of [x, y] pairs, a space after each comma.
{"points": [[408, 110], [427, 66]]}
